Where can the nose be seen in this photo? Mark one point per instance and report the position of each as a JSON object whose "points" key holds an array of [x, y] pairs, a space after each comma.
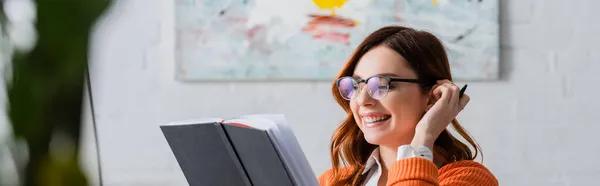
{"points": [[363, 98]]}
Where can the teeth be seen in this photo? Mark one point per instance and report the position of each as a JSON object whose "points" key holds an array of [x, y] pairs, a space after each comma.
{"points": [[374, 119]]}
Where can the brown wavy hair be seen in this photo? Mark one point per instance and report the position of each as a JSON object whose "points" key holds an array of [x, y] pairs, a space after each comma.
{"points": [[427, 57]]}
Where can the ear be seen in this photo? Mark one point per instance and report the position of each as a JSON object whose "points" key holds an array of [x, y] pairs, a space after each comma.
{"points": [[430, 98]]}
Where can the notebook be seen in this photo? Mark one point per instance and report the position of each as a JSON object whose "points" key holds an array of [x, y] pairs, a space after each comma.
{"points": [[249, 150]]}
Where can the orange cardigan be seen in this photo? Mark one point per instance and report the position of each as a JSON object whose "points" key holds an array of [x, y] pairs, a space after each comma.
{"points": [[422, 172]]}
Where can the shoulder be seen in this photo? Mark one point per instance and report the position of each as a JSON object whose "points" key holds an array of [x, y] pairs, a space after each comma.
{"points": [[466, 169], [327, 177]]}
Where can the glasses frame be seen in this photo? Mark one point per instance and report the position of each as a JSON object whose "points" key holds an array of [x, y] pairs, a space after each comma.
{"points": [[389, 81]]}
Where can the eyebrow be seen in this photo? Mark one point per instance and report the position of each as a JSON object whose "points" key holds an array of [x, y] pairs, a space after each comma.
{"points": [[382, 74]]}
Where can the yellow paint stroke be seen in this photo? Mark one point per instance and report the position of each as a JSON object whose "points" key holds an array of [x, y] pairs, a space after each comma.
{"points": [[435, 2], [330, 4]]}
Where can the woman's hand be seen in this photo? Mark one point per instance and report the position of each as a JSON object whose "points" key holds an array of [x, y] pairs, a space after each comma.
{"points": [[446, 107]]}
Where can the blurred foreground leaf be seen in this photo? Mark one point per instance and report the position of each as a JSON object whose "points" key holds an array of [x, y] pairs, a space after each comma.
{"points": [[45, 91]]}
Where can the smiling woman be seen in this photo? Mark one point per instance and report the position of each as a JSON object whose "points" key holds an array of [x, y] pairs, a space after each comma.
{"points": [[398, 93]]}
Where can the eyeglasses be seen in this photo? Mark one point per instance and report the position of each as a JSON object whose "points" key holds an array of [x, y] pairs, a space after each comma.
{"points": [[377, 86]]}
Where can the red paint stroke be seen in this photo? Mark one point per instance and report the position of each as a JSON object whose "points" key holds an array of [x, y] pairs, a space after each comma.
{"points": [[310, 28], [331, 20], [237, 19], [333, 36], [322, 26], [252, 32]]}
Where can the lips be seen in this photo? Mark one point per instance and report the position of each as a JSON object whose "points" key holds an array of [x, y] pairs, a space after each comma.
{"points": [[376, 119], [373, 117]]}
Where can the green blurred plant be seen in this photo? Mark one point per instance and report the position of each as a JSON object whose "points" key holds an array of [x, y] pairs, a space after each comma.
{"points": [[45, 91]]}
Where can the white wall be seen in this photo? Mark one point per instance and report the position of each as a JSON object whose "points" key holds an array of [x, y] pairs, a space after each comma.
{"points": [[535, 125]]}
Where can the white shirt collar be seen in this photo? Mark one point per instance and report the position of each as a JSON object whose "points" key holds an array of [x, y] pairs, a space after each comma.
{"points": [[373, 159]]}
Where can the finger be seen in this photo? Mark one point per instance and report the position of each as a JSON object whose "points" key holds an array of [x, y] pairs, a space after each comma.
{"points": [[451, 91], [455, 91], [444, 81], [443, 92], [463, 101], [454, 97]]}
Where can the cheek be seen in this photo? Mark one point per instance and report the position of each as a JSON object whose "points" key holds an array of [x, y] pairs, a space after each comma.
{"points": [[405, 109], [354, 107]]}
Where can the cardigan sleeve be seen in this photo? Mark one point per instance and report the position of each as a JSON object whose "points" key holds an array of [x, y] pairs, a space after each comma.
{"points": [[422, 172]]}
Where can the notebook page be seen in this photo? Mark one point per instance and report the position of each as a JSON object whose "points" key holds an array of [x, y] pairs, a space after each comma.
{"points": [[288, 144], [273, 131], [253, 123]]}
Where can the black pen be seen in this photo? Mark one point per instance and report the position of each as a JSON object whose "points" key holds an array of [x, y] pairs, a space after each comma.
{"points": [[462, 91]]}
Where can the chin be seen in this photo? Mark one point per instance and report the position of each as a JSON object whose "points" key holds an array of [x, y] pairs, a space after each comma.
{"points": [[387, 137], [375, 139]]}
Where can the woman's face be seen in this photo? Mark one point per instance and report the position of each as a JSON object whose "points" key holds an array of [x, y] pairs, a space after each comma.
{"points": [[392, 119]]}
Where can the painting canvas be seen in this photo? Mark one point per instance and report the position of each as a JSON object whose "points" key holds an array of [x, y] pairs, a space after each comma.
{"points": [[312, 39]]}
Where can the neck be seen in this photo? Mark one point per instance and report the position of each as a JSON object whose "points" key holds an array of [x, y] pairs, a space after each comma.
{"points": [[387, 155]]}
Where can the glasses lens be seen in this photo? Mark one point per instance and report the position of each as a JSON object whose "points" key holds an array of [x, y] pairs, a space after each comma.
{"points": [[347, 87], [378, 87]]}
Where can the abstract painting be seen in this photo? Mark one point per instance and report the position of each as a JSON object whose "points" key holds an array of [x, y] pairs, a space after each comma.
{"points": [[312, 39]]}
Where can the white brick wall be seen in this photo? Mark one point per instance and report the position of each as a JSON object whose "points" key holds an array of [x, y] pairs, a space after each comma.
{"points": [[536, 125]]}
